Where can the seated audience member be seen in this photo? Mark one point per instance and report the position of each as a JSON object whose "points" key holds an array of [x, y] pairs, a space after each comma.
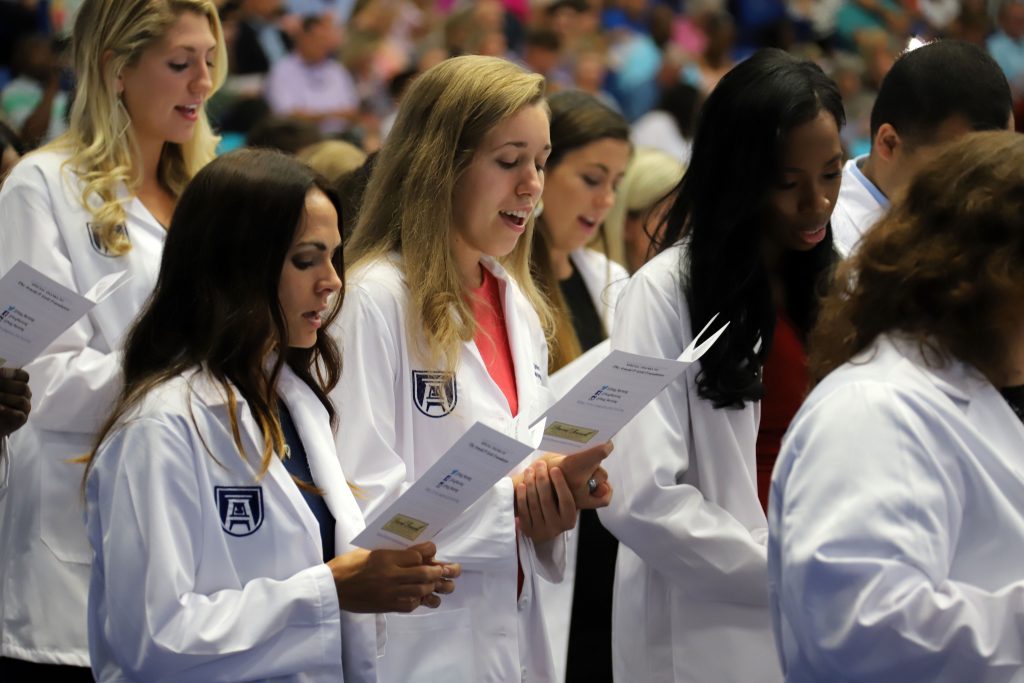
{"points": [[310, 84], [932, 95], [1007, 45], [286, 135], [11, 150], [33, 102], [897, 504], [259, 41]]}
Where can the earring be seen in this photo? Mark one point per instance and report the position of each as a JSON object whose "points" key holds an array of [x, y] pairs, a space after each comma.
{"points": [[121, 113]]}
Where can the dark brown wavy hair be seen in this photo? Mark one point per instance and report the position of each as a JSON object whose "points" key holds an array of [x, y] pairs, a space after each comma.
{"points": [[216, 304], [943, 267]]}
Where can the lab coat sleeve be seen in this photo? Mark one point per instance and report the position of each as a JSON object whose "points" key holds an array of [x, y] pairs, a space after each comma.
{"points": [[696, 545], [157, 626], [869, 521], [371, 430], [73, 385]]}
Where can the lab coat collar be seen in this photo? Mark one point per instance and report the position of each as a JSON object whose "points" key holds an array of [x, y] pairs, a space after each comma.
{"points": [[954, 378], [300, 404], [984, 408]]}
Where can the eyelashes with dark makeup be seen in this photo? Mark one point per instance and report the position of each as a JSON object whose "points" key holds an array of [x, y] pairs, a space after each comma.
{"points": [[302, 264]]}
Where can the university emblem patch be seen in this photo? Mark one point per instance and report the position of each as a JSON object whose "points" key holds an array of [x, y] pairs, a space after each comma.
{"points": [[434, 392], [97, 244], [240, 508]]}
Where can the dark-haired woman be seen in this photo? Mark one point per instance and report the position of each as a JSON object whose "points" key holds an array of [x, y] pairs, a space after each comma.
{"points": [[216, 507], [747, 238], [897, 512], [590, 150]]}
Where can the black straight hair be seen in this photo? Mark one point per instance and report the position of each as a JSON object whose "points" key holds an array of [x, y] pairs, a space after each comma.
{"points": [[928, 85], [719, 213]]}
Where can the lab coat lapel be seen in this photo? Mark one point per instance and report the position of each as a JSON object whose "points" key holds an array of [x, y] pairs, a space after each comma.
{"points": [[985, 409], [252, 439], [313, 424]]}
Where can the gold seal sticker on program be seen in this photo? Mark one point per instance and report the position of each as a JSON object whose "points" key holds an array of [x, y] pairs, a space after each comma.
{"points": [[407, 527]]}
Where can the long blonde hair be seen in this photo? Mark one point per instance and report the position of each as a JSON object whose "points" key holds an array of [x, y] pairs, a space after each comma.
{"points": [[108, 36], [408, 205]]}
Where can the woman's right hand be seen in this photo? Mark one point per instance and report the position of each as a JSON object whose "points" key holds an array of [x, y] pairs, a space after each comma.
{"points": [[374, 581]]}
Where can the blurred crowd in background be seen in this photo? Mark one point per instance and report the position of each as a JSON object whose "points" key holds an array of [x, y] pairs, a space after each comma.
{"points": [[308, 71]]}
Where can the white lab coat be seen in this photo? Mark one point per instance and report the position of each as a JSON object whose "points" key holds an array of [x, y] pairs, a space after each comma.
{"points": [[691, 597], [856, 210], [390, 435], [176, 597], [897, 517], [605, 279], [44, 554]]}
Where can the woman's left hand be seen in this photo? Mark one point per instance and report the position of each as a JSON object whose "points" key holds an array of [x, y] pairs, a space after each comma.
{"points": [[544, 502], [587, 480]]}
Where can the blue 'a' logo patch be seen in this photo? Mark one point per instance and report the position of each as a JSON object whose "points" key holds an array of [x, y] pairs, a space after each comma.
{"points": [[97, 243], [434, 392], [240, 508]]}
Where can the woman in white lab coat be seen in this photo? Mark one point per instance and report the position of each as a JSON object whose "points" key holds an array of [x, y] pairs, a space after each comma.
{"points": [[590, 150], [215, 505], [446, 325], [897, 507], [94, 202], [747, 236]]}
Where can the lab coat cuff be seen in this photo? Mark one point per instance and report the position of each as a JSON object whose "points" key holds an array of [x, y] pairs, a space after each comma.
{"points": [[548, 558], [324, 611]]}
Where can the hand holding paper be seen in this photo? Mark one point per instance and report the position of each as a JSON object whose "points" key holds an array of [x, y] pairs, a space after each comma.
{"points": [[612, 394], [35, 310], [549, 492], [579, 469], [391, 580], [468, 470]]}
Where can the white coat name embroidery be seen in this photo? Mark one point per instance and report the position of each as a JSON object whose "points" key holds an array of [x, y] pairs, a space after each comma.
{"points": [[240, 508], [434, 392]]}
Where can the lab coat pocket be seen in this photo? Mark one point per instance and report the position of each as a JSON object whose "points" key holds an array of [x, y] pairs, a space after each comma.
{"points": [[61, 523], [429, 647]]}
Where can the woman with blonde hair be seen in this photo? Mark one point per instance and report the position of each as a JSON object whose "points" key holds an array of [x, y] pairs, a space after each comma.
{"points": [[896, 505], [644, 197], [95, 201], [449, 329]]}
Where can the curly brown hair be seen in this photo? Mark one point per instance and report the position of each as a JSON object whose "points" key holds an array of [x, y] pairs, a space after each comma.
{"points": [[943, 267]]}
